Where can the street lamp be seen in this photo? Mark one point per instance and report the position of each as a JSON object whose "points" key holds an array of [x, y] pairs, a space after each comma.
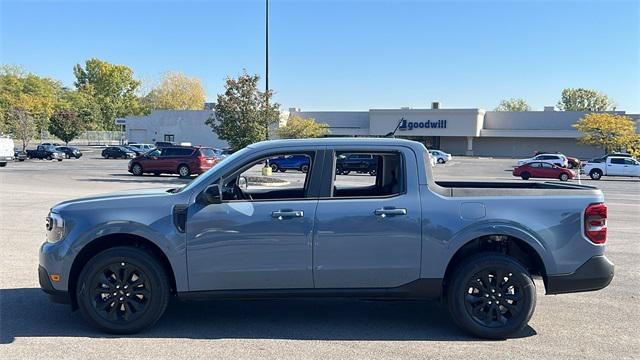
{"points": [[266, 65]]}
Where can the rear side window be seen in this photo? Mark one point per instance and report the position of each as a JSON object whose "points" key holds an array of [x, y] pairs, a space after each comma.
{"points": [[368, 175], [208, 153], [617, 161]]}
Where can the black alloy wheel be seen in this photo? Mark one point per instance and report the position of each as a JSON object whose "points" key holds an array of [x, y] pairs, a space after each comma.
{"points": [[492, 296], [122, 290], [274, 167]]}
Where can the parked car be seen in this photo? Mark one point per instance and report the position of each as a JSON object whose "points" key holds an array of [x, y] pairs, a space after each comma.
{"points": [[140, 149], [360, 163], [6, 151], [20, 155], [70, 151], [50, 144], [613, 166], [572, 163], [119, 258], [117, 152], [48, 152], [441, 156], [539, 169], [181, 160], [290, 162], [604, 158], [164, 143], [557, 159]]}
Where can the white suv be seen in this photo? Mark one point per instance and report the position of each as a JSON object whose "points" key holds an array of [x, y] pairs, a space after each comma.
{"points": [[556, 159]]}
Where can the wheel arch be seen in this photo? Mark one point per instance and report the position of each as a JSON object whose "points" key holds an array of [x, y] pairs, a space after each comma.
{"points": [[115, 240], [500, 243]]}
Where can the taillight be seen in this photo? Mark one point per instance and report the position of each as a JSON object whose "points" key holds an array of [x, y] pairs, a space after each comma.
{"points": [[595, 223], [202, 159]]}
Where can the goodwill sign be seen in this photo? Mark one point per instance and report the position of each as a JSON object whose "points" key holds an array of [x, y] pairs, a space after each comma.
{"points": [[410, 125]]}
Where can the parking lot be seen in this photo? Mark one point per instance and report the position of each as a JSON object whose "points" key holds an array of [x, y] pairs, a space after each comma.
{"points": [[602, 324]]}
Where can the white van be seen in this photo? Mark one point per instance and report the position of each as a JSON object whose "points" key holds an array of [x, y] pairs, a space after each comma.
{"points": [[6, 150]]}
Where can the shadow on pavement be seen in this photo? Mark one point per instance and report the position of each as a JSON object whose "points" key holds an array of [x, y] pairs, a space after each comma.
{"points": [[27, 312]]}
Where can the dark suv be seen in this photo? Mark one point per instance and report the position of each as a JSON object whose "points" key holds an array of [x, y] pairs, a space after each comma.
{"points": [[181, 160]]}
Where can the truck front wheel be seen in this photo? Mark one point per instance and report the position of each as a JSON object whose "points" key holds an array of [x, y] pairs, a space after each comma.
{"points": [[122, 290], [491, 296], [595, 174]]}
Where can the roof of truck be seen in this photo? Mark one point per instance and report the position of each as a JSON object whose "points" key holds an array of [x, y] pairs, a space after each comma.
{"points": [[360, 141]]}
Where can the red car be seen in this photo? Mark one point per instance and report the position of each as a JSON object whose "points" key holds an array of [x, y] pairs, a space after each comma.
{"points": [[540, 169], [181, 160]]}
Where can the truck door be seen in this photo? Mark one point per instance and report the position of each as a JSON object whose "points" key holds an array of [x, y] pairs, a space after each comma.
{"points": [[260, 236], [631, 167], [615, 167], [368, 228]]}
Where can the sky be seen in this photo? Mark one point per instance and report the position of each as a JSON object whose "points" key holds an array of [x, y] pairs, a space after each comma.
{"points": [[346, 55]]}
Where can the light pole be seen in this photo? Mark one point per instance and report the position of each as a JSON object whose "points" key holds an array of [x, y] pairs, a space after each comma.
{"points": [[266, 65]]}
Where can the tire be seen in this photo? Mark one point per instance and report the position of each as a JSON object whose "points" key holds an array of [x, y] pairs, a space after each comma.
{"points": [[156, 174], [525, 175], [136, 169], [474, 296], [3, 164], [274, 168], [183, 171], [441, 161], [282, 170], [564, 177], [49, 157], [570, 166], [373, 172], [339, 170], [59, 159], [304, 168], [595, 174], [112, 270]]}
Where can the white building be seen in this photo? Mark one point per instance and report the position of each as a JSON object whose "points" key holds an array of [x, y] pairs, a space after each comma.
{"points": [[458, 131]]}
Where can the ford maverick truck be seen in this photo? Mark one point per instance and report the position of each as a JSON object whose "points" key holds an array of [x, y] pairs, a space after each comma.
{"points": [[400, 234]]}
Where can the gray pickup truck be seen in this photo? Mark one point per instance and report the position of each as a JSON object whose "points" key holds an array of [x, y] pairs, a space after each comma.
{"points": [[396, 235]]}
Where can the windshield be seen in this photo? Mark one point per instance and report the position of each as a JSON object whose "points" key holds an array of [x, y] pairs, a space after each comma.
{"points": [[204, 178]]}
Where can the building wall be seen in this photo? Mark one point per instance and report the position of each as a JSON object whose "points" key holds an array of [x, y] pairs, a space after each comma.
{"points": [[459, 122], [454, 145], [185, 125], [341, 123], [525, 147]]}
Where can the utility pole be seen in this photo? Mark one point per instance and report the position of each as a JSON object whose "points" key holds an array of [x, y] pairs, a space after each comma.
{"points": [[266, 63]]}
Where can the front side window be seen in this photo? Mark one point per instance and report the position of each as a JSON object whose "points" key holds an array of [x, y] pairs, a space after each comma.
{"points": [[368, 175], [252, 182]]}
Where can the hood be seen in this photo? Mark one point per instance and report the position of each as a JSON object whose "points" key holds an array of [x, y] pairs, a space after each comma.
{"points": [[125, 196]]}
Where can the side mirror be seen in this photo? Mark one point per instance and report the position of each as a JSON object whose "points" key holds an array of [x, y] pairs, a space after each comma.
{"points": [[243, 183], [211, 195]]}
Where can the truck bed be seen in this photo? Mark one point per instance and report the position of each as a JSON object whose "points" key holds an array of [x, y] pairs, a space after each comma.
{"points": [[511, 188]]}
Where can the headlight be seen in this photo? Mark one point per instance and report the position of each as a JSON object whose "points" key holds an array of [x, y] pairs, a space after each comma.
{"points": [[55, 228]]}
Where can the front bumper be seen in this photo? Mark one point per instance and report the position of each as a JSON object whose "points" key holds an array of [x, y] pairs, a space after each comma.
{"points": [[56, 296], [595, 274]]}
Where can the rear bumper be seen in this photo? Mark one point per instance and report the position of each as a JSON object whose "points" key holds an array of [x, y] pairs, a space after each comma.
{"points": [[595, 274], [56, 296]]}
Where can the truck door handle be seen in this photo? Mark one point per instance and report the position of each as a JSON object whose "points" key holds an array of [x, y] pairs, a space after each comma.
{"points": [[282, 214], [384, 212]]}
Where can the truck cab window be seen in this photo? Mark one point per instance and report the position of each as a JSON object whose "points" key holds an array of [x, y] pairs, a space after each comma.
{"points": [[288, 179], [368, 174]]}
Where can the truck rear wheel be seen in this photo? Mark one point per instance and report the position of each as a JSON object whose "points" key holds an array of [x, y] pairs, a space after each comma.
{"points": [[491, 296], [122, 290]]}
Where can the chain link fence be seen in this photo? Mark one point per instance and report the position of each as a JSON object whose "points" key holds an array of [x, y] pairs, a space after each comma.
{"points": [[90, 138]]}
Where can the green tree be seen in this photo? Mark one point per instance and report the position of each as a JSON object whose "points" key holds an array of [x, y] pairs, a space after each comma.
{"points": [[176, 91], [243, 113], [31, 93], [21, 125], [299, 128], [85, 107], [608, 131], [112, 87], [583, 100], [513, 104], [66, 125]]}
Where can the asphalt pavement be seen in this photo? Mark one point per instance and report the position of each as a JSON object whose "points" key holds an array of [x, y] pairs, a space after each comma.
{"points": [[602, 324]]}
